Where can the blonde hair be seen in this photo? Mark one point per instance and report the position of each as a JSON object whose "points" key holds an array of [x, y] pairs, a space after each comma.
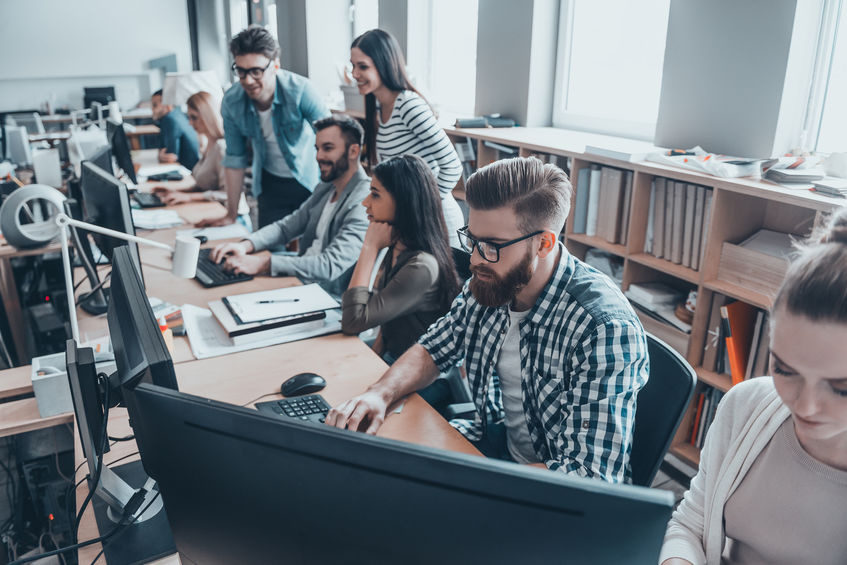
{"points": [[204, 104]]}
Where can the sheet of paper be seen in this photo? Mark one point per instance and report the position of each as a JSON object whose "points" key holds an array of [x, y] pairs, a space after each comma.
{"points": [[220, 232], [269, 304], [155, 219], [208, 338], [147, 170]]}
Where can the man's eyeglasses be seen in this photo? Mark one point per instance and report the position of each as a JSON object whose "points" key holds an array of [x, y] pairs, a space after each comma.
{"points": [[254, 72], [488, 250]]}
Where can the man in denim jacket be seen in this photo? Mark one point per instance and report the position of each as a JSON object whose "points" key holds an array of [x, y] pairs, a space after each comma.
{"points": [[274, 109]]}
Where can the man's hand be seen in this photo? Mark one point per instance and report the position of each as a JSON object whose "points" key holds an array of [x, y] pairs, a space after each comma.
{"points": [[249, 264], [213, 222], [238, 249], [176, 197], [165, 157], [365, 412]]}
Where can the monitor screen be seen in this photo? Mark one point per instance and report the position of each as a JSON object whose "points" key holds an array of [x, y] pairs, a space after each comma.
{"points": [[105, 203], [120, 148], [140, 351], [243, 487]]}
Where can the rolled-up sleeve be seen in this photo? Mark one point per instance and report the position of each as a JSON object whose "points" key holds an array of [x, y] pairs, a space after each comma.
{"points": [[444, 340]]}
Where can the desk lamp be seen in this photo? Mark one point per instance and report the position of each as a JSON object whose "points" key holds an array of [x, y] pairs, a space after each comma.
{"points": [[25, 229]]}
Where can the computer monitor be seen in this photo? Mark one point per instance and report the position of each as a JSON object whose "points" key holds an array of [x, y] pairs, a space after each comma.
{"points": [[102, 157], [120, 148], [101, 94], [242, 487], [105, 203], [17, 145], [85, 394]]}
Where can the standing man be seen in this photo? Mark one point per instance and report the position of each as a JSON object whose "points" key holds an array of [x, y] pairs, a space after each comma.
{"points": [[274, 109], [331, 223], [178, 138], [554, 353]]}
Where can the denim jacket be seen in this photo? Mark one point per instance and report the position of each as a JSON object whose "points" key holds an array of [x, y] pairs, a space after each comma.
{"points": [[295, 106]]}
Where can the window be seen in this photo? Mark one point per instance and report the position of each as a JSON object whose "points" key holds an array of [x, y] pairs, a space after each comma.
{"points": [[270, 18], [609, 66], [364, 15], [238, 18], [826, 126], [442, 53]]}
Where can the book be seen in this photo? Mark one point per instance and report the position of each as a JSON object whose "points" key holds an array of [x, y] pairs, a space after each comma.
{"points": [[653, 294], [626, 204], [611, 197], [580, 213], [762, 363], [511, 151], [738, 321], [713, 334], [699, 199], [659, 219], [754, 345], [695, 422], [271, 304], [624, 150], [707, 218], [769, 242], [242, 334], [668, 232], [593, 201], [704, 417], [688, 226], [678, 223], [649, 233]]}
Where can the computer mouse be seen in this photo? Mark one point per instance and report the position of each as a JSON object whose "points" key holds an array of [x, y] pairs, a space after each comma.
{"points": [[203, 239], [302, 383]]}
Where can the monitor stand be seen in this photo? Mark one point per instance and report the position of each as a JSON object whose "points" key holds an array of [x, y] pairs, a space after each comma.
{"points": [[148, 538]]}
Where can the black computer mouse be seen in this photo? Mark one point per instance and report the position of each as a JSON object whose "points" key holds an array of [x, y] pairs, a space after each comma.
{"points": [[302, 383]]}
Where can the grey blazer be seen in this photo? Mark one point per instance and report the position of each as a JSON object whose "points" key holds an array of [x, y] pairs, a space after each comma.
{"points": [[341, 243]]}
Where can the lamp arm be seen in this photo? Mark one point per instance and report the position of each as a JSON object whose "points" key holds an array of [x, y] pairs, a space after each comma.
{"points": [[63, 220]]}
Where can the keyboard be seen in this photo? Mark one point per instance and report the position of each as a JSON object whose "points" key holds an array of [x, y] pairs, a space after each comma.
{"points": [[311, 408], [148, 200], [211, 274]]}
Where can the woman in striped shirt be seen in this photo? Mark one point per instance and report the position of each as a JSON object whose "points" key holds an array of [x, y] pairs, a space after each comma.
{"points": [[404, 122]]}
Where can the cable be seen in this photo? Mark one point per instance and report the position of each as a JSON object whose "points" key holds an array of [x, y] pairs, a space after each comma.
{"points": [[56, 456], [96, 479], [260, 398], [119, 459], [124, 438], [85, 297]]}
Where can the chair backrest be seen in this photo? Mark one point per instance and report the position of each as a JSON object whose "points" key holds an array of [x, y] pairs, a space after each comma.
{"points": [[660, 408]]}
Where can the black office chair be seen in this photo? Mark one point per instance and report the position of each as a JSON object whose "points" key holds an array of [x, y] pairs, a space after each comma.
{"points": [[660, 408]]}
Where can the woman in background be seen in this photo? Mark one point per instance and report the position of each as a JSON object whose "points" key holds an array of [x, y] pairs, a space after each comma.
{"points": [[772, 483], [207, 174], [404, 123], [417, 280]]}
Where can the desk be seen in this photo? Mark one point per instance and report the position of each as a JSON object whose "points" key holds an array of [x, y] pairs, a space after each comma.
{"points": [[242, 377], [135, 134]]}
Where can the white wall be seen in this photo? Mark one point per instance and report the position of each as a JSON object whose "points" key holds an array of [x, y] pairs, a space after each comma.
{"points": [[57, 46], [328, 30]]}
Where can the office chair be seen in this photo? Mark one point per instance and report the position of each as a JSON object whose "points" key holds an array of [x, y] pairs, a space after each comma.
{"points": [[661, 406]]}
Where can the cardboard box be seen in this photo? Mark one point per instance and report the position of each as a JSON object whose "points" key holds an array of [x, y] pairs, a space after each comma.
{"points": [[752, 270]]}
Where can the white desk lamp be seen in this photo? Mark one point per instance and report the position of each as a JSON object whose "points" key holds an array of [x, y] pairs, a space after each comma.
{"points": [[35, 231]]}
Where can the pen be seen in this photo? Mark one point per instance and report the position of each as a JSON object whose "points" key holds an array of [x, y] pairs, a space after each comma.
{"points": [[278, 301]]}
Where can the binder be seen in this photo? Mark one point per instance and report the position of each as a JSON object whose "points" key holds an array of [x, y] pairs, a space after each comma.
{"points": [[739, 320], [659, 219], [593, 201], [580, 214]]}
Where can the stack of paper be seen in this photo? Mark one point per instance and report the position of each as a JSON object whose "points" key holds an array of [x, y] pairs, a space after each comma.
{"points": [[155, 219], [831, 186]]}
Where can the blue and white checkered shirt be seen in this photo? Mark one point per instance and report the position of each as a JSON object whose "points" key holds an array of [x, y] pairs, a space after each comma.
{"points": [[583, 358]]}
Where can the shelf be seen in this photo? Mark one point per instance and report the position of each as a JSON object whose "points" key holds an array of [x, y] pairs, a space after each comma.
{"points": [[687, 452], [757, 299], [667, 267], [598, 242], [716, 380]]}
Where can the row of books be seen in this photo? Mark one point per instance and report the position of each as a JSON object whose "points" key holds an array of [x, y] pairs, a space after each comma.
{"points": [[738, 339], [707, 404], [603, 198], [678, 221]]}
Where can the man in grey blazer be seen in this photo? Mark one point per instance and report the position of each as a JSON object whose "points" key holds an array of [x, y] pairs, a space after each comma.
{"points": [[331, 223]]}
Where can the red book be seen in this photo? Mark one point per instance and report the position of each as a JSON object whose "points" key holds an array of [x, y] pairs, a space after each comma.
{"points": [[739, 322], [696, 426]]}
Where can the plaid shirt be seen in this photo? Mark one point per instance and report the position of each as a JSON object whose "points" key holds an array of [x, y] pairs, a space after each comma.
{"points": [[583, 358]]}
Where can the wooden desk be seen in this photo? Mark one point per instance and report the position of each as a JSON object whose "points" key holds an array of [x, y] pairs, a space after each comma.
{"points": [[243, 377], [144, 129]]}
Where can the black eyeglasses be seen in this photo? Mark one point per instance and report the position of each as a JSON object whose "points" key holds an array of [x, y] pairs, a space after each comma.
{"points": [[254, 72], [488, 250]]}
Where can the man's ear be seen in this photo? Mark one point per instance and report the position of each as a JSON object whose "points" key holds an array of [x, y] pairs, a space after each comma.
{"points": [[547, 243], [354, 151]]}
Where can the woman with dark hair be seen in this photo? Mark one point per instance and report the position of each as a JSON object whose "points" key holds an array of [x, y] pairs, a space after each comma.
{"points": [[403, 123], [417, 281], [772, 483]]}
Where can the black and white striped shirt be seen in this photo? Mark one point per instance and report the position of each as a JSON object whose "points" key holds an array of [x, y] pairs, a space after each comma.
{"points": [[412, 130]]}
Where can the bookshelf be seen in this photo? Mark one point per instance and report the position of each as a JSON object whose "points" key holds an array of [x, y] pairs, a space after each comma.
{"points": [[738, 208]]}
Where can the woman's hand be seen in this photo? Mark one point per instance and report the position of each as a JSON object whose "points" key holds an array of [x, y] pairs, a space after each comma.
{"points": [[379, 235]]}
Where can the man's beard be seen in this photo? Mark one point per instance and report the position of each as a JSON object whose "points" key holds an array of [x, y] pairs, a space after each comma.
{"points": [[338, 168], [501, 290]]}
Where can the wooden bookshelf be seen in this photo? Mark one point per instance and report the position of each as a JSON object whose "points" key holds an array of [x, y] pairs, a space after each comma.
{"points": [[739, 208]]}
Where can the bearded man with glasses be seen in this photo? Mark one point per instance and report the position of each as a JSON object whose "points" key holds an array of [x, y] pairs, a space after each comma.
{"points": [[274, 109], [554, 353]]}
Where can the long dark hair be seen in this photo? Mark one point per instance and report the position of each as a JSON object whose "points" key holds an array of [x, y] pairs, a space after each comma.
{"points": [[388, 59], [418, 217]]}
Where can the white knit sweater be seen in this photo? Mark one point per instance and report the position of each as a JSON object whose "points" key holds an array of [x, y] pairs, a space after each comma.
{"points": [[747, 418]]}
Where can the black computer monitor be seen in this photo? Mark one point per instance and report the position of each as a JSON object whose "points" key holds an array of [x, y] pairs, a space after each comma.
{"points": [[85, 394], [242, 487], [120, 148], [105, 203], [103, 159]]}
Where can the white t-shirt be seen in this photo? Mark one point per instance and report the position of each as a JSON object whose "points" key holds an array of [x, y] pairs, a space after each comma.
{"points": [[320, 229], [274, 162], [518, 439]]}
